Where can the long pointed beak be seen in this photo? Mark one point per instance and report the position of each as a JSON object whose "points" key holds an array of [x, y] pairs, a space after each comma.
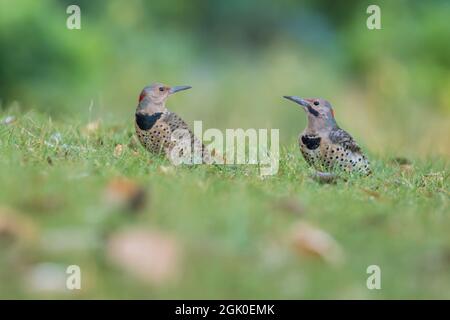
{"points": [[298, 100], [178, 88]]}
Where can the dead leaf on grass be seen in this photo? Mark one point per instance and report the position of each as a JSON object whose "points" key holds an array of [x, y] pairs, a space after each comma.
{"points": [[15, 227], [151, 256], [312, 241], [125, 193]]}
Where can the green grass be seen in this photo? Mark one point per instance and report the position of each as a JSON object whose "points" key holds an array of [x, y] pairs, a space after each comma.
{"points": [[233, 232]]}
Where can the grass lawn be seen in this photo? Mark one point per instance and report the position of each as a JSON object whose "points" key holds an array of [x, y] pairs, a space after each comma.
{"points": [[225, 232]]}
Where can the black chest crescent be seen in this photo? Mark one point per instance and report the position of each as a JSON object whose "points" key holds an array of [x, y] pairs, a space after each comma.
{"points": [[146, 121], [311, 142]]}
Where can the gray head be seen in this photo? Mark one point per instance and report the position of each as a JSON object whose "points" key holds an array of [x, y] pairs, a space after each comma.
{"points": [[157, 93], [319, 111]]}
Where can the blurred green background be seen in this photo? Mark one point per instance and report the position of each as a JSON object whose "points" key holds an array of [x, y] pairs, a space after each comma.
{"points": [[391, 87], [61, 173]]}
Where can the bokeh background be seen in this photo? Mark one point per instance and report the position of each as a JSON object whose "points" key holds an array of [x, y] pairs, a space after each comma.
{"points": [[390, 87], [72, 179]]}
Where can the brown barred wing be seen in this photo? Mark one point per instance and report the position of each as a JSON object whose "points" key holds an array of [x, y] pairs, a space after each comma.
{"points": [[344, 139], [175, 122]]}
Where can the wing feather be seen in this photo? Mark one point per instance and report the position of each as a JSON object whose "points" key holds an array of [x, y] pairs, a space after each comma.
{"points": [[343, 138]]}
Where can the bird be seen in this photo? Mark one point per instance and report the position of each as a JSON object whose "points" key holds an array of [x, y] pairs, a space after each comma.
{"points": [[324, 145], [158, 129]]}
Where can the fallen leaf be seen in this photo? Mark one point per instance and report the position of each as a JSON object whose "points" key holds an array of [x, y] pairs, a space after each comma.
{"points": [[118, 150], [125, 193], [16, 228], [151, 256], [312, 241]]}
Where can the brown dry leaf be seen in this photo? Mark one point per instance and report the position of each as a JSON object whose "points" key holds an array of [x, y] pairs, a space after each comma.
{"points": [[15, 227], [118, 150], [125, 193], [290, 205], [312, 241], [151, 256]]}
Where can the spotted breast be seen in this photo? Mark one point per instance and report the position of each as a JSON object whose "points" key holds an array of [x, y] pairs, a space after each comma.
{"points": [[158, 133], [333, 152]]}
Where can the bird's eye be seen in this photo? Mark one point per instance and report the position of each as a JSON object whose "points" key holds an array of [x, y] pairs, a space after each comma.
{"points": [[161, 88], [316, 103]]}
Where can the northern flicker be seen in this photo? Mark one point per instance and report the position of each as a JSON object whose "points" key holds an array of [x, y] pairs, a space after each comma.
{"points": [[324, 145], [157, 127]]}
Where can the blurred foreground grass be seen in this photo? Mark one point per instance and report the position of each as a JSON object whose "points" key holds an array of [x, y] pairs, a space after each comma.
{"points": [[217, 232]]}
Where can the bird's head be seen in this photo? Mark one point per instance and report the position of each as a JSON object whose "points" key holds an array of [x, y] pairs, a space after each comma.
{"points": [[157, 93], [319, 111]]}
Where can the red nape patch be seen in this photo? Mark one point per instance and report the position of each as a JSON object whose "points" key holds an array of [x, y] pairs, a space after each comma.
{"points": [[141, 96], [332, 112]]}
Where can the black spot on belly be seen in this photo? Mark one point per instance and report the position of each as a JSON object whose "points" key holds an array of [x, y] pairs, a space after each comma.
{"points": [[146, 121], [311, 142]]}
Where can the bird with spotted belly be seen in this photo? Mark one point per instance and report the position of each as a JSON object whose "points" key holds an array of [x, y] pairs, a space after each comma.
{"points": [[157, 127], [324, 145]]}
